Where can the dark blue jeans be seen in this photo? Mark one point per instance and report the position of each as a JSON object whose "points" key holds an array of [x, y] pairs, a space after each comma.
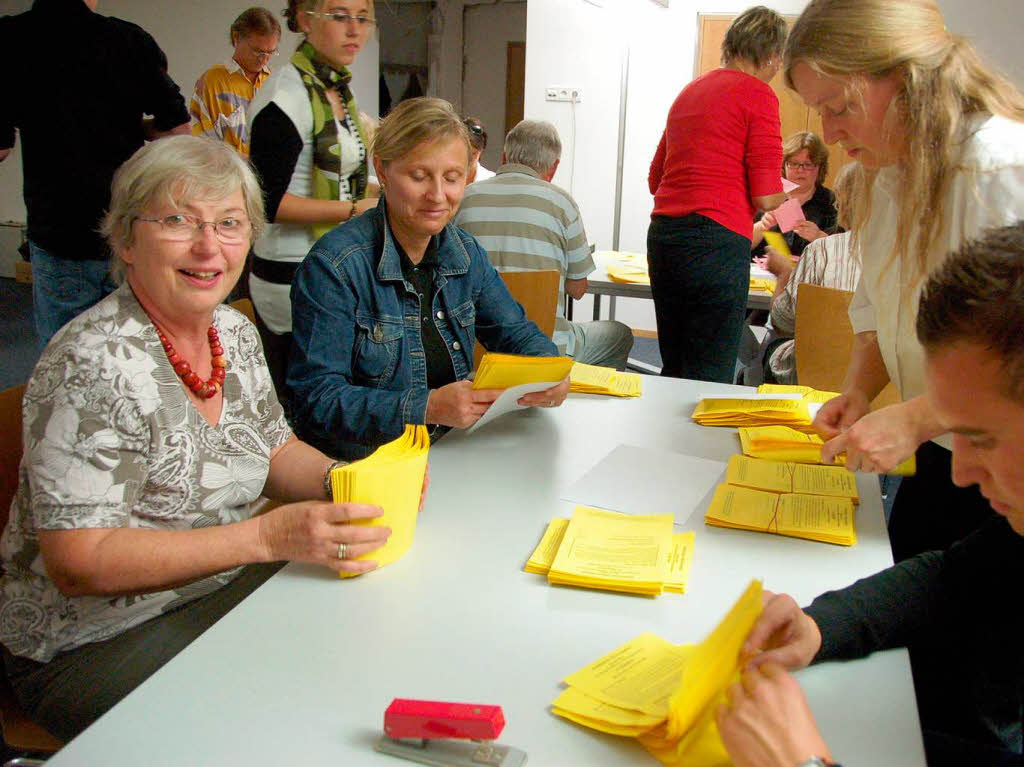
{"points": [[700, 279], [63, 288]]}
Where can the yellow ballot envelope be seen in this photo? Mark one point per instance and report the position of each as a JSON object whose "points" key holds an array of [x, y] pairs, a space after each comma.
{"points": [[391, 477], [503, 371], [664, 695]]}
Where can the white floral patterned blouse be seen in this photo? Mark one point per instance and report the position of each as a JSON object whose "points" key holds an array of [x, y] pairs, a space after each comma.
{"points": [[112, 440]]}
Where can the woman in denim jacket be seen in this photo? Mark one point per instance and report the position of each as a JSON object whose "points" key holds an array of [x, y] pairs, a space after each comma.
{"points": [[386, 307]]}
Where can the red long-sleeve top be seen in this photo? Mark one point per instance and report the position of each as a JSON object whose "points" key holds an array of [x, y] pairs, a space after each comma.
{"points": [[722, 145]]}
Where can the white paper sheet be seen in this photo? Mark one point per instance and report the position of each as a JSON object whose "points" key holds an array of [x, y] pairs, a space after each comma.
{"points": [[645, 481], [788, 186], [508, 401]]}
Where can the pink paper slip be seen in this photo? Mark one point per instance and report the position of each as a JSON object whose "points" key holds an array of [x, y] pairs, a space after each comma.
{"points": [[788, 186], [788, 215]]}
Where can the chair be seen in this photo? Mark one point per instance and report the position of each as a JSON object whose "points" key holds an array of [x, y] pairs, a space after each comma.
{"points": [[19, 732], [824, 341], [537, 292], [244, 305]]}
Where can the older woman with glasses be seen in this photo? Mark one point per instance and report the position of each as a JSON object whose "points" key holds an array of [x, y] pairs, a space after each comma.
{"points": [[309, 146], [805, 163], [151, 426], [708, 178], [387, 308]]}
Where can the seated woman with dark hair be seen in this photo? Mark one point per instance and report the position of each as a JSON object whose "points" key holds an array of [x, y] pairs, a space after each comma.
{"points": [[804, 163], [151, 425], [477, 140], [386, 308]]}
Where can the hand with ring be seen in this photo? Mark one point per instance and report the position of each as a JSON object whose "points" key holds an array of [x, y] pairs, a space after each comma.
{"points": [[319, 531], [552, 397]]}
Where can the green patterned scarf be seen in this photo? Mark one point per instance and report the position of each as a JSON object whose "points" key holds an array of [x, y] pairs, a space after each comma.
{"points": [[318, 76]]}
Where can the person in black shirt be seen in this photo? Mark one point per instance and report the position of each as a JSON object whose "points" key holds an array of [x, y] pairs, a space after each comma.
{"points": [[77, 124], [804, 163], [957, 606]]}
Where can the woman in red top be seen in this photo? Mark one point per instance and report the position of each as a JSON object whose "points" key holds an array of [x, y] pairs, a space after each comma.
{"points": [[717, 164]]}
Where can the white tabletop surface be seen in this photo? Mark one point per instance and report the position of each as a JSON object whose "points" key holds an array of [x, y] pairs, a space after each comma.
{"points": [[301, 671]]}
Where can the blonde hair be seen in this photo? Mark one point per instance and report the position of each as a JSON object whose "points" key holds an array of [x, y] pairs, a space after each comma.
{"points": [[756, 35], [943, 82], [177, 169], [418, 121], [815, 147], [851, 180]]}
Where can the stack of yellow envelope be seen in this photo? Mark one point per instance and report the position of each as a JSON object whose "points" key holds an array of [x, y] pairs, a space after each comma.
{"points": [[391, 477], [678, 557], [593, 379], [628, 267], [664, 695], [790, 477], [813, 517], [503, 371], [736, 411], [781, 443], [808, 394]]}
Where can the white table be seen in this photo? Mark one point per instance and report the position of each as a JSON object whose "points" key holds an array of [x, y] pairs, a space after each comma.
{"points": [[301, 671], [599, 284]]}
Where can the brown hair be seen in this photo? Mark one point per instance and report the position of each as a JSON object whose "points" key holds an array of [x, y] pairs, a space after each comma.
{"points": [[978, 297], [943, 83], [254, 21], [414, 122], [757, 35], [815, 147]]}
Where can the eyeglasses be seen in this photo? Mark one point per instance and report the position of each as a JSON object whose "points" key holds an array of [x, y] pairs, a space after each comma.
{"points": [[801, 165], [182, 227], [343, 18], [261, 54]]}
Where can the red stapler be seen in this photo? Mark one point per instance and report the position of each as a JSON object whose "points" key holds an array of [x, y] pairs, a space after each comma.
{"points": [[447, 734]]}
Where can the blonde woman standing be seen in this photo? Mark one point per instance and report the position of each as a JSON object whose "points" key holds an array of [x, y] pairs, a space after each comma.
{"points": [[309, 146], [943, 137]]}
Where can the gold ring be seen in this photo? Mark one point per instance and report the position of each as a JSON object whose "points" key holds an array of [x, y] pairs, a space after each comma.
{"points": [[342, 551]]}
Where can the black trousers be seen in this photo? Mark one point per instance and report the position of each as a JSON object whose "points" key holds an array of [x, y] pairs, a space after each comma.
{"points": [[700, 279], [930, 512], [76, 687]]}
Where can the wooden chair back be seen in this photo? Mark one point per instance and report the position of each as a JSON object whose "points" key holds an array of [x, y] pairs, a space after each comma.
{"points": [[824, 341], [538, 294], [244, 305], [19, 731]]}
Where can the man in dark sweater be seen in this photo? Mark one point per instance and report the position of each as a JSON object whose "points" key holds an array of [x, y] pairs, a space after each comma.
{"points": [[82, 91], [956, 609]]}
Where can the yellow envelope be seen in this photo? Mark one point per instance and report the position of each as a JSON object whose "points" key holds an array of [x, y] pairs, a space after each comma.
{"points": [[503, 371], [391, 477]]}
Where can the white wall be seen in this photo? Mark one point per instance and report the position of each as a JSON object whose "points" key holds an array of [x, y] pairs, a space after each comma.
{"points": [[487, 30], [577, 42], [194, 35]]}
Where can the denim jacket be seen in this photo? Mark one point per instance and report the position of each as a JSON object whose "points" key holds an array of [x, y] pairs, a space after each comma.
{"points": [[357, 370]]}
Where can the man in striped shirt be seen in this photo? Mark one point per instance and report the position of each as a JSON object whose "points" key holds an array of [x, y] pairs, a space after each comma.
{"points": [[526, 223]]}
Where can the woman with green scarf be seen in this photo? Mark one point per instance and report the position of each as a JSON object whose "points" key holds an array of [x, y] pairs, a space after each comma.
{"points": [[309, 147]]}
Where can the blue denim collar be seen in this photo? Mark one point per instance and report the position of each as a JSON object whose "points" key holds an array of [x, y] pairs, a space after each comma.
{"points": [[453, 258]]}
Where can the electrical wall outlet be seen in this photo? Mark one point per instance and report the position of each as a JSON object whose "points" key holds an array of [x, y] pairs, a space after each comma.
{"points": [[572, 93]]}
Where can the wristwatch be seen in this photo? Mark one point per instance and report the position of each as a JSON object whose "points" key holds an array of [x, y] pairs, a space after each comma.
{"points": [[817, 761], [327, 479]]}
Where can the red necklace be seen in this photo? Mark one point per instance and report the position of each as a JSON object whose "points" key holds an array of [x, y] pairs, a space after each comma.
{"points": [[202, 389]]}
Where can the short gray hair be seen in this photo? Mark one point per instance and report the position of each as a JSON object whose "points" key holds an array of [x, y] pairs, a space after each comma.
{"points": [[177, 169], [535, 144]]}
